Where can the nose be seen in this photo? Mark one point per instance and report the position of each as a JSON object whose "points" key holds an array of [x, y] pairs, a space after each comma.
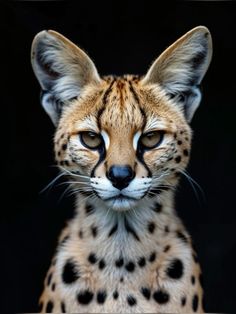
{"points": [[120, 176]]}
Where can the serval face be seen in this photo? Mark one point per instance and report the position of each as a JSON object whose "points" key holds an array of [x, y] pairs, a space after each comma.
{"points": [[122, 139]]}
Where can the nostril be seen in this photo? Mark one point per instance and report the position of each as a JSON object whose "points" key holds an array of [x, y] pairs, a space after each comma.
{"points": [[120, 176]]}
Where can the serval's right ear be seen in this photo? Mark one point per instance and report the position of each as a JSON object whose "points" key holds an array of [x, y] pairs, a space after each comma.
{"points": [[62, 70]]}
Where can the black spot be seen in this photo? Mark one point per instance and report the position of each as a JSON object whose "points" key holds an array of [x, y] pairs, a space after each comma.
{"points": [[131, 300], [182, 236], [186, 153], [92, 258], [49, 279], [66, 163], [94, 231], [195, 303], [193, 280], [166, 248], [40, 307], [70, 273], [101, 264], [152, 257], [115, 295], [161, 296], [183, 301], [53, 286], [142, 261], [167, 230], [130, 267], [113, 230], [157, 207], [81, 234], [121, 279], [119, 262], [151, 227], [130, 229], [49, 307], [64, 147], [146, 292], [178, 159], [85, 297], [63, 307], [89, 209], [101, 297], [179, 142], [175, 269]]}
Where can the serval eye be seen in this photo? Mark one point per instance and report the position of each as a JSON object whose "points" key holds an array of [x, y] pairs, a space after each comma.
{"points": [[151, 139], [90, 139]]}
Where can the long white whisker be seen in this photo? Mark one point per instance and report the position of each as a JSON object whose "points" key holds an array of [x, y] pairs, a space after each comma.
{"points": [[73, 174], [193, 183], [50, 184]]}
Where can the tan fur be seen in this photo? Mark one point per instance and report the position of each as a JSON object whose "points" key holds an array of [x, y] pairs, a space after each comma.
{"points": [[123, 108]]}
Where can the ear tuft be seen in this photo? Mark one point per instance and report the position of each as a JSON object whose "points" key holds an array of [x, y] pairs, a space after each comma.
{"points": [[62, 70], [181, 67]]}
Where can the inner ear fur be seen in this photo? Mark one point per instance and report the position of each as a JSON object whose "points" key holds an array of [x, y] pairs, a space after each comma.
{"points": [[62, 69], [180, 69]]}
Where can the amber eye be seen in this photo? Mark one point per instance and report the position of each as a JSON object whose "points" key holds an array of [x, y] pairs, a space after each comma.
{"points": [[90, 139], [151, 139]]}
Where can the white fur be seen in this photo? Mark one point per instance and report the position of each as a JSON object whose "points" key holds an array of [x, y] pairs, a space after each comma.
{"points": [[106, 139]]}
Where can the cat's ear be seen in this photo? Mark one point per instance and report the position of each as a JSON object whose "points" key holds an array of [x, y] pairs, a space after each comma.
{"points": [[62, 70], [180, 69]]}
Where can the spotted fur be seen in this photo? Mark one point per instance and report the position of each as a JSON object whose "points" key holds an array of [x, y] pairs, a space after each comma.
{"points": [[125, 250]]}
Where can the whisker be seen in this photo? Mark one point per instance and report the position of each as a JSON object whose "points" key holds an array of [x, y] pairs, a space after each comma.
{"points": [[193, 183], [50, 184], [73, 174]]}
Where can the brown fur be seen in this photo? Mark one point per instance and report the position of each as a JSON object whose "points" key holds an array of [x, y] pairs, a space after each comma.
{"points": [[90, 248]]}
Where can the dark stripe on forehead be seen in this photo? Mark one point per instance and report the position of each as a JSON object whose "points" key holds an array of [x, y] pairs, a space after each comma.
{"points": [[108, 91], [135, 95], [104, 100], [143, 113], [100, 112]]}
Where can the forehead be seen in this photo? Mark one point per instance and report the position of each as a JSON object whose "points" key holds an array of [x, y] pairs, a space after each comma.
{"points": [[122, 105]]}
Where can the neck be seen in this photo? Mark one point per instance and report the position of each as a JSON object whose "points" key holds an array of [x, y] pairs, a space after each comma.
{"points": [[125, 231]]}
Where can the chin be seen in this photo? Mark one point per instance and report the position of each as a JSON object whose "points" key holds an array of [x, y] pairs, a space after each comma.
{"points": [[121, 203]]}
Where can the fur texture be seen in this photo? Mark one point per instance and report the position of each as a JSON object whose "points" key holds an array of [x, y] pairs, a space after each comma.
{"points": [[125, 250]]}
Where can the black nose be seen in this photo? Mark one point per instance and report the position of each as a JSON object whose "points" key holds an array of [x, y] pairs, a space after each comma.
{"points": [[120, 176]]}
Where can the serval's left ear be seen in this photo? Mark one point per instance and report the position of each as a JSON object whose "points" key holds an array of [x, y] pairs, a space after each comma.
{"points": [[181, 68], [62, 69]]}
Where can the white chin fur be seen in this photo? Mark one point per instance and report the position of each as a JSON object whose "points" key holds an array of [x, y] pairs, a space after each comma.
{"points": [[121, 204]]}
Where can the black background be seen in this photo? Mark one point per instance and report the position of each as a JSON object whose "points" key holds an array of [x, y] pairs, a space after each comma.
{"points": [[121, 37]]}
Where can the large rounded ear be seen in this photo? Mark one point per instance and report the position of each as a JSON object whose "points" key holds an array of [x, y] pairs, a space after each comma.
{"points": [[181, 67], [62, 70]]}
